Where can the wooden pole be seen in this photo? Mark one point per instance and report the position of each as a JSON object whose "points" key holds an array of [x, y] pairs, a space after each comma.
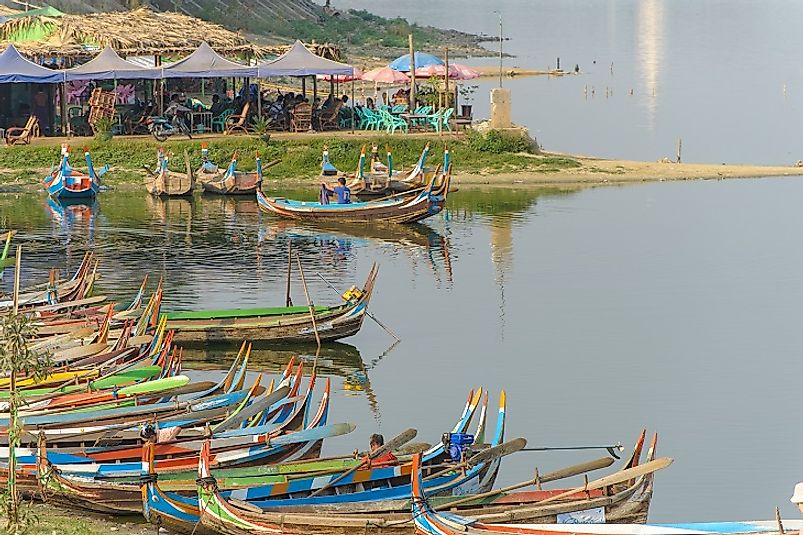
{"points": [[12, 388], [446, 79], [309, 302], [412, 71], [287, 300], [778, 520], [500, 49]]}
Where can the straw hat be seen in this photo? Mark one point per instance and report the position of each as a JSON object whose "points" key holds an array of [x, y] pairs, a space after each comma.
{"points": [[797, 496]]}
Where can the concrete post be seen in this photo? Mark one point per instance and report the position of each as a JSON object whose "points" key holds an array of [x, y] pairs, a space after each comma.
{"points": [[500, 108]]}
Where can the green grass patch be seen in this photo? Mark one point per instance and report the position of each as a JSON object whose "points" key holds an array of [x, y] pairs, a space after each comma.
{"points": [[300, 158]]}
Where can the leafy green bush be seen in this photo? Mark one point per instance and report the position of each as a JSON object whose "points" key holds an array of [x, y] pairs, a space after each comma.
{"points": [[497, 142], [103, 129]]}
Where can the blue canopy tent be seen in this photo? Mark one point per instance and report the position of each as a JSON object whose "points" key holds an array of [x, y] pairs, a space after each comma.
{"points": [[16, 69], [109, 66], [422, 59]]}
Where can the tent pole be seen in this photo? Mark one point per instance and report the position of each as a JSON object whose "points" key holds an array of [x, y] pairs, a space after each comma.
{"points": [[314, 88], [352, 103], [304, 86], [412, 72], [65, 121]]}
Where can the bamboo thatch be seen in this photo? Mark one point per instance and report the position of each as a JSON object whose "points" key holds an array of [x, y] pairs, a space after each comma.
{"points": [[141, 32]]}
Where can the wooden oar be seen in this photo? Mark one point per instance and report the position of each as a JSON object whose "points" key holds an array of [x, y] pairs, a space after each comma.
{"points": [[619, 477], [393, 444], [484, 456], [563, 473]]}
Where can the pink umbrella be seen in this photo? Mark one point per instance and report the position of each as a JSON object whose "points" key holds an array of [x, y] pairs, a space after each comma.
{"points": [[456, 71], [340, 78], [386, 75]]}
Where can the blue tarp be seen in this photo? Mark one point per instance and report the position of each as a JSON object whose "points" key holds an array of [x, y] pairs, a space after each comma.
{"points": [[15, 68], [109, 66], [300, 61], [206, 63], [422, 59]]}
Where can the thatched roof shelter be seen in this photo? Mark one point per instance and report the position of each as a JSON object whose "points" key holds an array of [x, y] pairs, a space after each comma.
{"points": [[141, 32]]}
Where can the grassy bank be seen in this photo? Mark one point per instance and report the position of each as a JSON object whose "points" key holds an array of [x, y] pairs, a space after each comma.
{"points": [[300, 157], [51, 520]]}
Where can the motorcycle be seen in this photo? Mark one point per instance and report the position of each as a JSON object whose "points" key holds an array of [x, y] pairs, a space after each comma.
{"points": [[162, 128]]}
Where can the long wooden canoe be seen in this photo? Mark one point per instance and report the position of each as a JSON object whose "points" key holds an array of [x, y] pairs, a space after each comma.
{"points": [[274, 325]]}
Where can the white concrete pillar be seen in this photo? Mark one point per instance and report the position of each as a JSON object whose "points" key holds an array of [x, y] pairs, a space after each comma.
{"points": [[500, 108]]}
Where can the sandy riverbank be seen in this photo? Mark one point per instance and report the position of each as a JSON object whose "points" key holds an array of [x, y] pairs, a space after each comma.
{"points": [[600, 172]]}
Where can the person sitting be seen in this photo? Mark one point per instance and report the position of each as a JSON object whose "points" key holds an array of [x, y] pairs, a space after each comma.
{"points": [[384, 459], [369, 103], [217, 105], [342, 192]]}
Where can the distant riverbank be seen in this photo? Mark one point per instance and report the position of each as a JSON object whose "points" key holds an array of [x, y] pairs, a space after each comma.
{"points": [[490, 159]]}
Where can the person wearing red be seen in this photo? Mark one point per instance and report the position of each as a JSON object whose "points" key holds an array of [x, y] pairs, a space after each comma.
{"points": [[385, 459]]}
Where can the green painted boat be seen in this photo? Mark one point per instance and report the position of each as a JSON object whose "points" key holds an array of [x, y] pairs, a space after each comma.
{"points": [[152, 387], [241, 313], [280, 325], [5, 261], [119, 379]]}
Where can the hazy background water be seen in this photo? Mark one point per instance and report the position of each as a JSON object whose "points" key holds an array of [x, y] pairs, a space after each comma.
{"points": [[671, 306], [723, 75]]}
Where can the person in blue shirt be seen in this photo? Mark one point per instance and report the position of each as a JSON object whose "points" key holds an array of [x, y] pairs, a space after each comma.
{"points": [[341, 191]]}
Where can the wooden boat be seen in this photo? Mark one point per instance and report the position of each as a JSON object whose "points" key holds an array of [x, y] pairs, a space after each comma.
{"points": [[64, 182], [57, 295], [622, 497], [383, 180], [121, 495], [401, 208], [276, 325], [163, 182], [231, 181], [181, 514]]}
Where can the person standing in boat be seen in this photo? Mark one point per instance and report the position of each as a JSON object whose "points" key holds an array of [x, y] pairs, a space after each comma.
{"points": [[341, 191]]}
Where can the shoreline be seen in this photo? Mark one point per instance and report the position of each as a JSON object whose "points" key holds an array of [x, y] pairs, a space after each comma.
{"points": [[593, 172], [603, 172]]}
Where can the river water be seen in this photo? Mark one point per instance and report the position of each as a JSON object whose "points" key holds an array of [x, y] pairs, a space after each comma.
{"points": [[722, 75], [670, 306]]}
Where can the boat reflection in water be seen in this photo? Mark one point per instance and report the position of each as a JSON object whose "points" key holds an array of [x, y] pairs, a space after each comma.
{"points": [[76, 217], [336, 242], [334, 359]]}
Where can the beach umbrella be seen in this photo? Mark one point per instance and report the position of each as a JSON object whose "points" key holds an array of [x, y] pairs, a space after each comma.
{"points": [[422, 59], [340, 78], [386, 75], [456, 72]]}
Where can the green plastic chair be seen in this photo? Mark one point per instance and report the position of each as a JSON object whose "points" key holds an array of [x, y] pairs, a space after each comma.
{"points": [[435, 120], [399, 108], [391, 122], [422, 110], [219, 122], [373, 121], [447, 115]]}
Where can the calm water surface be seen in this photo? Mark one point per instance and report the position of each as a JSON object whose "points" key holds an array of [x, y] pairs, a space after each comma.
{"points": [[672, 306], [723, 75]]}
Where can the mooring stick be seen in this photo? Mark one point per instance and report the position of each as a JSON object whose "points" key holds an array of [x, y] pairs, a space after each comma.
{"points": [[309, 303], [385, 327]]}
